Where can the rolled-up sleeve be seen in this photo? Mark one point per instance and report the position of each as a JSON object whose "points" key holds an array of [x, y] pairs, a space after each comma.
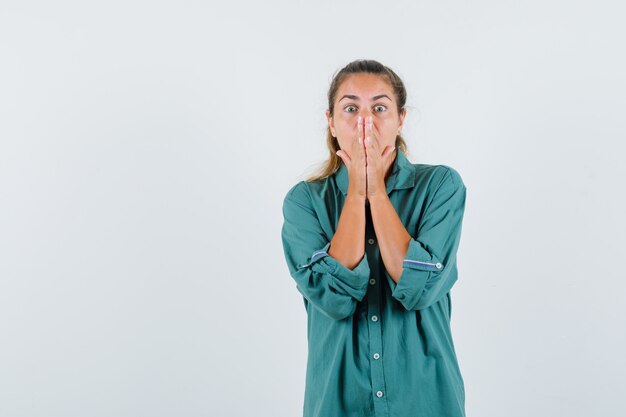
{"points": [[323, 281], [429, 268]]}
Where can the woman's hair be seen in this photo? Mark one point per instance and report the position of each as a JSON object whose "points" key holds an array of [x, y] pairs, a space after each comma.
{"points": [[332, 164]]}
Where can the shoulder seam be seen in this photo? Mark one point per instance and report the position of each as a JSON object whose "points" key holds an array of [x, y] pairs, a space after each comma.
{"points": [[455, 176], [440, 185], [305, 205]]}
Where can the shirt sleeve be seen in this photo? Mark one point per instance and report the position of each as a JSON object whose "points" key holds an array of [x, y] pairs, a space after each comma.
{"points": [[429, 267], [321, 279]]}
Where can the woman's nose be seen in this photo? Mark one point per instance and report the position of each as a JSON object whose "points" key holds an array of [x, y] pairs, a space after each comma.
{"points": [[365, 114]]}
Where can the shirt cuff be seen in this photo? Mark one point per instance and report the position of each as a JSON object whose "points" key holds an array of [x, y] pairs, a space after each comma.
{"points": [[416, 270], [352, 281]]}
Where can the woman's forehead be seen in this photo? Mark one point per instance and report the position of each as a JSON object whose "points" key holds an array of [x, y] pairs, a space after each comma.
{"points": [[364, 86]]}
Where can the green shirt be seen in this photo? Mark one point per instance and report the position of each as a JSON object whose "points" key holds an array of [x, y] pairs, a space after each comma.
{"points": [[376, 348]]}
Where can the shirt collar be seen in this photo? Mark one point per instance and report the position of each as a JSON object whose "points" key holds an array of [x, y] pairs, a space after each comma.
{"points": [[402, 175]]}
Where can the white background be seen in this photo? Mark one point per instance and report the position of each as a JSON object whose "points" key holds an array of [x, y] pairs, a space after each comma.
{"points": [[146, 147]]}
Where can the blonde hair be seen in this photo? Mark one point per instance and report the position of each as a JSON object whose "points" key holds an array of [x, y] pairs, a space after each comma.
{"points": [[333, 163]]}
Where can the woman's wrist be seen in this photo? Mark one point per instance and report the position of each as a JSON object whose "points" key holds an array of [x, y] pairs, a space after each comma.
{"points": [[353, 198]]}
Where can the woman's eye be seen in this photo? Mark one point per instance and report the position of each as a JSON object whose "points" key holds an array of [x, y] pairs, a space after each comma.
{"points": [[384, 108]]}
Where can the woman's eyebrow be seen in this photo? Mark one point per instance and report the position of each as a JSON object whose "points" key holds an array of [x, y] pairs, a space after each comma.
{"points": [[353, 97]]}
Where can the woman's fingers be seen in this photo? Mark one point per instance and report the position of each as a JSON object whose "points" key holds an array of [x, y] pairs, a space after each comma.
{"points": [[344, 157], [358, 146], [355, 161], [371, 137], [388, 150]]}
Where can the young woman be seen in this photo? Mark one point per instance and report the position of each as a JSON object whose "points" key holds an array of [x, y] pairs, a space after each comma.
{"points": [[371, 243]]}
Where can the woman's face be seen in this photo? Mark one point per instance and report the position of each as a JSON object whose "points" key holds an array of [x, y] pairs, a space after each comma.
{"points": [[365, 95]]}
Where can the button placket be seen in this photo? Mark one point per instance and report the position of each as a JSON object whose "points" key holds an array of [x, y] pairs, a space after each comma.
{"points": [[375, 323]]}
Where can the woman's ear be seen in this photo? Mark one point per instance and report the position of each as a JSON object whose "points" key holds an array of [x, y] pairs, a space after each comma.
{"points": [[402, 116], [331, 123]]}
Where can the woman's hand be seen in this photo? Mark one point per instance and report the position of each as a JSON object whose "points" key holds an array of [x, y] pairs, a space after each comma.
{"points": [[378, 161], [356, 163]]}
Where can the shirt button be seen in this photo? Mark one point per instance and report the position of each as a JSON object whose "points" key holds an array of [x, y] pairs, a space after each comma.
{"points": [[379, 394], [376, 355], [372, 281], [374, 318], [438, 265], [371, 241]]}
